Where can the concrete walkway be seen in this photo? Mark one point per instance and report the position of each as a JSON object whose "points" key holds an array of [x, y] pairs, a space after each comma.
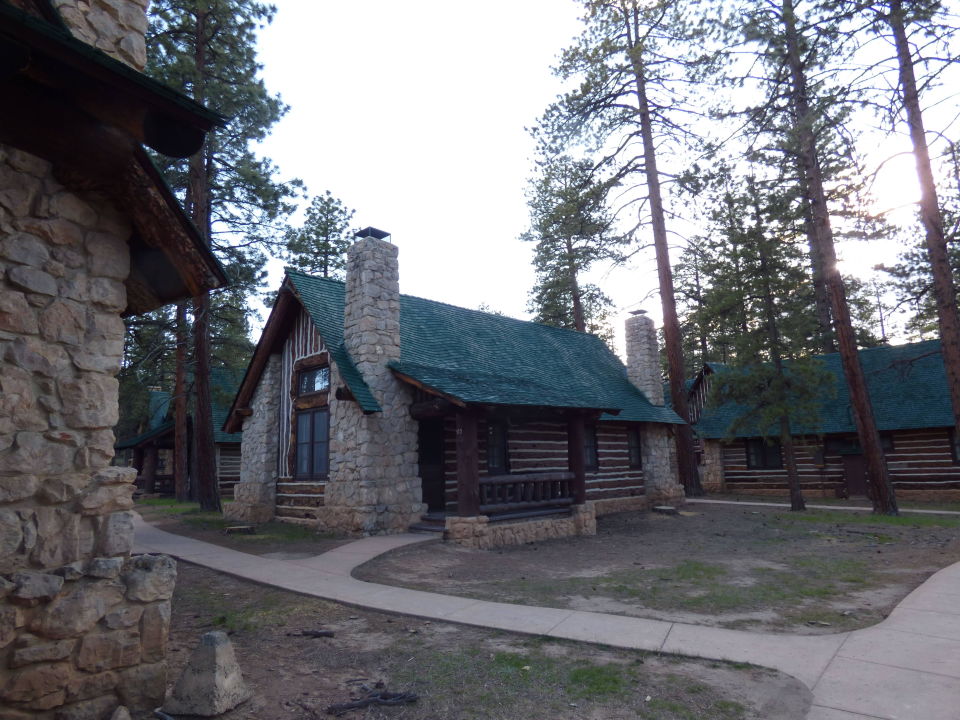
{"points": [[905, 668]]}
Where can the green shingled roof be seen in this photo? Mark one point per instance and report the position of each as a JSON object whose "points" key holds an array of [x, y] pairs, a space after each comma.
{"points": [[907, 385], [223, 386], [478, 357]]}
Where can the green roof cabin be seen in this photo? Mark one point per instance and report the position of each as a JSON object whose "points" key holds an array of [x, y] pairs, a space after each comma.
{"points": [[911, 405], [364, 411]]}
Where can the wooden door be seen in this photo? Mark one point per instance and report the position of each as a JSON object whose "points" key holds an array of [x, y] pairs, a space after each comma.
{"points": [[431, 465], [855, 474]]}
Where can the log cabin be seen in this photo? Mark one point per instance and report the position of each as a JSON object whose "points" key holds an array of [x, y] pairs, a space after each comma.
{"points": [[365, 411], [911, 405], [152, 452]]}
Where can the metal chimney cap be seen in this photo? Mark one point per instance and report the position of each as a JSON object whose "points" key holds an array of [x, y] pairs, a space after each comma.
{"points": [[638, 312], [371, 232]]}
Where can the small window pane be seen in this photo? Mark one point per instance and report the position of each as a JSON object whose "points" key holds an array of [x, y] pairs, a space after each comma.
{"points": [[303, 428], [321, 459], [590, 459], [321, 420], [314, 380], [633, 447], [303, 459]]}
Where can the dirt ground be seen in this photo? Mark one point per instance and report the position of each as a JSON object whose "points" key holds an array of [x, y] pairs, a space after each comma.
{"points": [[457, 672], [270, 539], [739, 567]]}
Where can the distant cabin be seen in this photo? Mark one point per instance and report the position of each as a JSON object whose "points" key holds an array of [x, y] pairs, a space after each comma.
{"points": [[911, 405]]}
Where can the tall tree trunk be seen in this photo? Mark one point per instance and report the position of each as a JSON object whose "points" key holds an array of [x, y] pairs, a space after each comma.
{"points": [[181, 440], [943, 286], [776, 353], [821, 296], [882, 493], [199, 178], [686, 453], [579, 322]]}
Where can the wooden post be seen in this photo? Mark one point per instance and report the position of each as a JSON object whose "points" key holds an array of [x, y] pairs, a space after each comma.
{"points": [[468, 465], [149, 469], [138, 460], [575, 456]]}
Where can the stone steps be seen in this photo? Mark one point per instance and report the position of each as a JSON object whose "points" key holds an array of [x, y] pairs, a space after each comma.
{"points": [[285, 512], [306, 522], [299, 500], [299, 488]]}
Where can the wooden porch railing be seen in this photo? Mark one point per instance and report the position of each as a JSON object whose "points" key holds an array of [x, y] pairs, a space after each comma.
{"points": [[525, 491]]}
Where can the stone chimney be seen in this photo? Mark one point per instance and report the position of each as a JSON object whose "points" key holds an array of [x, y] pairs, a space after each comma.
{"points": [[117, 27], [643, 356], [374, 485], [371, 311]]}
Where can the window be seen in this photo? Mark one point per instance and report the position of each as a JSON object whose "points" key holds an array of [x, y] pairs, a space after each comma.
{"points": [[851, 445], [590, 459], [314, 380], [954, 445], [313, 444], [498, 457], [763, 455], [633, 447]]}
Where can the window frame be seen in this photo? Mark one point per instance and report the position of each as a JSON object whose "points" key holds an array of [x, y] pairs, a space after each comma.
{"points": [[498, 438], [591, 448], [311, 444], [634, 448], [766, 461], [302, 374]]}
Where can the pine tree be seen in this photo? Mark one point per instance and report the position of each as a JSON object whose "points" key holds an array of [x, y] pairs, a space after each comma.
{"points": [[319, 246], [206, 48], [573, 229], [631, 85]]}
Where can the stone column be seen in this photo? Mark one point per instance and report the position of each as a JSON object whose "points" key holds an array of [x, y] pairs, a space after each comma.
{"points": [[254, 497], [374, 485], [83, 626], [643, 370], [643, 357]]}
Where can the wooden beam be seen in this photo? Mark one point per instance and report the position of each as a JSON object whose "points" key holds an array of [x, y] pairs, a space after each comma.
{"points": [[468, 465], [575, 456], [432, 409], [244, 412]]}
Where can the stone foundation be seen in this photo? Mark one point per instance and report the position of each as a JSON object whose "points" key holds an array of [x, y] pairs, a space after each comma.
{"points": [[87, 637], [478, 532], [254, 497], [659, 470]]}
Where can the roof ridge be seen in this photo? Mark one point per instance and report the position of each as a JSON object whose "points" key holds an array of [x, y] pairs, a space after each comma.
{"points": [[410, 296]]}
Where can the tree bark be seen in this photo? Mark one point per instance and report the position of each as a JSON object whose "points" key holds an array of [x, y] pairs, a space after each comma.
{"points": [[181, 440], [579, 322], [944, 289], [882, 493], [208, 491], [686, 453]]}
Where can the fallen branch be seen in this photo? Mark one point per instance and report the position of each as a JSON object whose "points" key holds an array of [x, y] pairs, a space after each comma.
{"points": [[311, 633], [375, 698]]}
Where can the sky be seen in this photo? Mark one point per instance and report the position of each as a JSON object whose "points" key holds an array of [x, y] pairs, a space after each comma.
{"points": [[415, 114]]}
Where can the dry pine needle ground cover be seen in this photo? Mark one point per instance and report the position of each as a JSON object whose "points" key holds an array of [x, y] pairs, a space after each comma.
{"points": [[457, 672], [739, 567]]}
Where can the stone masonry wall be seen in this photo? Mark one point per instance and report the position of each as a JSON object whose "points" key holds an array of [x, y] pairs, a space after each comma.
{"points": [[643, 357], [117, 27], [478, 532], [82, 624], [254, 497], [374, 485], [712, 467]]}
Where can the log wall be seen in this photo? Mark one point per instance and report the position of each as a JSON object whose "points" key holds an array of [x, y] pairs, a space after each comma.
{"points": [[921, 467], [542, 447]]}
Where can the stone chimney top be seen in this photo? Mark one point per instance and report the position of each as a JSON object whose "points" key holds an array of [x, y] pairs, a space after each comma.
{"points": [[643, 356], [371, 232], [117, 27]]}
